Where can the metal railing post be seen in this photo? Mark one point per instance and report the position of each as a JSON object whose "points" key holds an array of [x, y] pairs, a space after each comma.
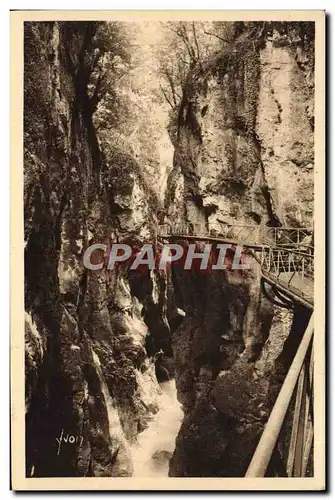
{"points": [[264, 450], [295, 425]]}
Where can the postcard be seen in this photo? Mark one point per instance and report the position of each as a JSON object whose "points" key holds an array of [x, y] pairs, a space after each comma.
{"points": [[168, 250]]}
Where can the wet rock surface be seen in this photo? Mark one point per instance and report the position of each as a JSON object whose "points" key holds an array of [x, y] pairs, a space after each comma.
{"points": [[161, 457], [88, 373], [92, 391], [239, 159]]}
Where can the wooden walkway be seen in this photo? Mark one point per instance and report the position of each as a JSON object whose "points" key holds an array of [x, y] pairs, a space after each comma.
{"points": [[286, 255], [286, 259]]}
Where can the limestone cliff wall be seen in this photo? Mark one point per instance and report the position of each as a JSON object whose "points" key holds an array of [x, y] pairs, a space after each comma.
{"points": [[88, 373], [244, 154]]}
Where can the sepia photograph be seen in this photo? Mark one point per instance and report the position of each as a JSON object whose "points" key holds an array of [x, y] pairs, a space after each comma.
{"points": [[168, 250]]}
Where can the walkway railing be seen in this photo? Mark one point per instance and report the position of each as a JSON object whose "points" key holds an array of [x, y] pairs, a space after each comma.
{"points": [[287, 258], [292, 269], [287, 262], [290, 236], [241, 233], [278, 454]]}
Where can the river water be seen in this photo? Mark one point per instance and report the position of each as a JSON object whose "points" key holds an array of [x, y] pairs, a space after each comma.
{"points": [[159, 438]]}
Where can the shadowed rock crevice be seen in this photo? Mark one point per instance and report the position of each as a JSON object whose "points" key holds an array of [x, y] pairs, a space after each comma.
{"points": [[88, 373], [106, 161]]}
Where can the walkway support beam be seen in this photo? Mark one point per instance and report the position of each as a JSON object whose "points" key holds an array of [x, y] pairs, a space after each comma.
{"points": [[264, 450]]}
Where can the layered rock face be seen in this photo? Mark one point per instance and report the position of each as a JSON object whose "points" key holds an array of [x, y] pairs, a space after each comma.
{"points": [[244, 147], [90, 383], [244, 154]]}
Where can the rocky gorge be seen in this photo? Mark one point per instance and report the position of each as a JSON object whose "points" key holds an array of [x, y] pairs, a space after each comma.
{"points": [[234, 145]]}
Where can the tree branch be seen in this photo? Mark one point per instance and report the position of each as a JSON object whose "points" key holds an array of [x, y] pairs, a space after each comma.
{"points": [[166, 97], [196, 40], [217, 36]]}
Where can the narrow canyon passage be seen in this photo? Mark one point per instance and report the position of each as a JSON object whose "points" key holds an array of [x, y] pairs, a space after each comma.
{"points": [[155, 445], [130, 127]]}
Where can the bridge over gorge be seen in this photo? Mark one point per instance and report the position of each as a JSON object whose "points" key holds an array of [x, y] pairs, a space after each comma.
{"points": [[285, 255], [286, 259]]}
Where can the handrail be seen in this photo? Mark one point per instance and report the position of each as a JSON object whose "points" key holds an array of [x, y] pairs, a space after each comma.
{"points": [[280, 265], [276, 258], [290, 251], [262, 456], [269, 234], [279, 228]]}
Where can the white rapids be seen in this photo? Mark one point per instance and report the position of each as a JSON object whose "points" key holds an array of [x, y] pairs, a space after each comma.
{"points": [[159, 438]]}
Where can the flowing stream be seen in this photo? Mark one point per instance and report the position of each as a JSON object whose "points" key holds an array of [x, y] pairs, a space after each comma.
{"points": [[155, 445]]}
